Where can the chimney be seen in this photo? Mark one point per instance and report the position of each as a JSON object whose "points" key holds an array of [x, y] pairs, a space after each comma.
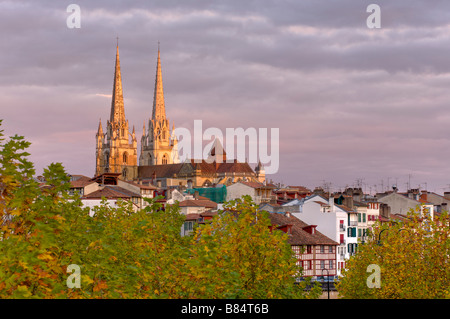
{"points": [[331, 203], [348, 201], [447, 195]]}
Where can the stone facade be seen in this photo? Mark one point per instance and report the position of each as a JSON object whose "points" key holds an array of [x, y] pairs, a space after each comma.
{"points": [[116, 150], [158, 144]]}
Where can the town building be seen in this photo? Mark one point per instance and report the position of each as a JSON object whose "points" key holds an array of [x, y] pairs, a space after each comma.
{"points": [[259, 192], [403, 203], [315, 252], [334, 218]]}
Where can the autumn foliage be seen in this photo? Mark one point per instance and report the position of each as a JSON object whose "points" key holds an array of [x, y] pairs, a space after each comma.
{"points": [[413, 257], [126, 254]]}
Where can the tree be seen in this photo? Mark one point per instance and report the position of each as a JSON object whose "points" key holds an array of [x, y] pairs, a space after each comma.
{"points": [[125, 254], [238, 256], [412, 256]]}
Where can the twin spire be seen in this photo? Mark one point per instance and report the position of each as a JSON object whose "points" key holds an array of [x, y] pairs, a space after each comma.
{"points": [[117, 105]]}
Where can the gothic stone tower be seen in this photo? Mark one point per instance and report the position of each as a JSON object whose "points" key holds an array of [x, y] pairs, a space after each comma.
{"points": [[158, 144], [115, 153]]}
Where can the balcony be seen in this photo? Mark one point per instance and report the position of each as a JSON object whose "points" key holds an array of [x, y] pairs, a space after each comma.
{"points": [[341, 227], [353, 223]]}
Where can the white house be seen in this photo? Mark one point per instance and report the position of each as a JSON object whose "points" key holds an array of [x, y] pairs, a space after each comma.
{"points": [[335, 221], [259, 192]]}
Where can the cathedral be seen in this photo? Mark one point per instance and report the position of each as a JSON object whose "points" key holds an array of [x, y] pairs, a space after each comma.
{"points": [[159, 163]]}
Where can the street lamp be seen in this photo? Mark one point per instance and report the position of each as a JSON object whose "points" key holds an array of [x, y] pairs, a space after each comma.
{"points": [[379, 235], [328, 281]]}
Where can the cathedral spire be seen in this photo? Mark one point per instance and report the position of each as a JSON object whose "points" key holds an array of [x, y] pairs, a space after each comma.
{"points": [[100, 129], [159, 109], [117, 107]]}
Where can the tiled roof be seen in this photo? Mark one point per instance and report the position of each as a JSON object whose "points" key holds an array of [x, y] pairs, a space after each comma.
{"points": [[298, 235], [142, 186], [197, 216], [234, 167], [79, 181], [166, 170], [345, 208], [255, 184], [111, 191], [198, 203]]}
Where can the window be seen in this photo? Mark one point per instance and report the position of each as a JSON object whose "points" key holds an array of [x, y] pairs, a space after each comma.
{"points": [[322, 249], [188, 226], [149, 159], [364, 217], [322, 264], [341, 239], [125, 157], [164, 159], [330, 264], [308, 249], [330, 249]]}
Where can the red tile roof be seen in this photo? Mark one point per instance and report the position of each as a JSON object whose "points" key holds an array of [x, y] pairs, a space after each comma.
{"points": [[299, 236], [198, 203], [79, 181], [111, 192], [255, 184]]}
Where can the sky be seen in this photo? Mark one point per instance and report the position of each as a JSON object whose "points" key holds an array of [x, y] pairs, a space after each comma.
{"points": [[354, 106]]}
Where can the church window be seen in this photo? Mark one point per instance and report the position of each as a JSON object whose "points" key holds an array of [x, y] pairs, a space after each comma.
{"points": [[149, 159], [164, 159], [125, 157]]}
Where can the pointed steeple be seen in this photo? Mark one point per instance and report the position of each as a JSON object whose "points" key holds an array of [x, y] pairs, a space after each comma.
{"points": [[159, 109], [100, 129], [117, 107]]}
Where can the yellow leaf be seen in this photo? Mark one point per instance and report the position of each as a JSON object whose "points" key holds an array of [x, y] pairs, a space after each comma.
{"points": [[87, 279], [45, 256]]}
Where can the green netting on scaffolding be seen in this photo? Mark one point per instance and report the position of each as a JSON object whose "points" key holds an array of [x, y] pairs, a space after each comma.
{"points": [[216, 194]]}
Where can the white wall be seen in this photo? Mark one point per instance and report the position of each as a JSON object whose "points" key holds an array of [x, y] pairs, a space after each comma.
{"points": [[238, 190]]}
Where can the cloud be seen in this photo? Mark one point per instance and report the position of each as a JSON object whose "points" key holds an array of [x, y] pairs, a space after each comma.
{"points": [[350, 102]]}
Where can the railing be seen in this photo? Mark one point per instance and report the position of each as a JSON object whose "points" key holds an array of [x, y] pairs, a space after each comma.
{"points": [[353, 223], [341, 227]]}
